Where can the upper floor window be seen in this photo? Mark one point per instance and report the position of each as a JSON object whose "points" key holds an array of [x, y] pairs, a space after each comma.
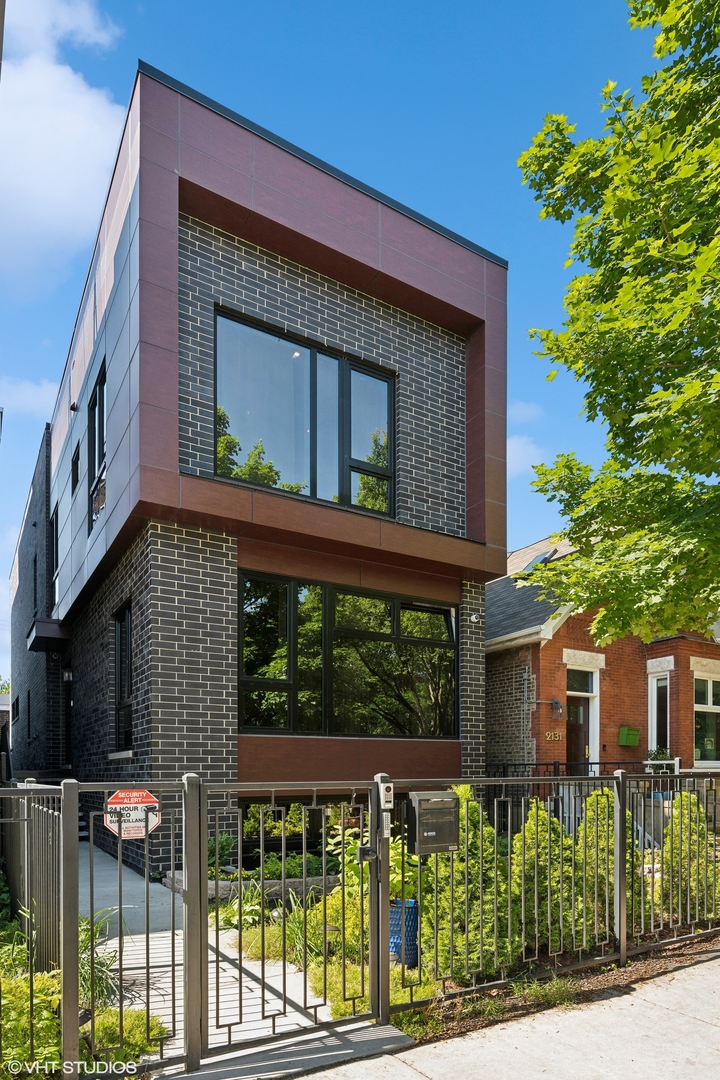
{"points": [[75, 469], [96, 449], [123, 679], [293, 417], [53, 559], [316, 658]]}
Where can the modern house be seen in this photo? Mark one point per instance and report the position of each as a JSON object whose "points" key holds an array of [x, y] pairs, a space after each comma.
{"points": [[553, 695], [273, 488]]}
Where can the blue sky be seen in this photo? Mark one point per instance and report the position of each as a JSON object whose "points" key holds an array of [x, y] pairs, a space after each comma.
{"points": [[430, 101]]}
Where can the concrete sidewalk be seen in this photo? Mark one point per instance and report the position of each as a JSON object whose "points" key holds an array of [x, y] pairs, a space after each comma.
{"points": [[662, 1029]]}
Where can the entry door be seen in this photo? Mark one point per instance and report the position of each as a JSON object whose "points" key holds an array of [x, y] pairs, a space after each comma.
{"points": [[578, 735]]}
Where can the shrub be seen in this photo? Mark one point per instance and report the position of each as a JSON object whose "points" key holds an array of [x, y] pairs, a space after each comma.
{"points": [[541, 885], [595, 869], [465, 900], [272, 866], [690, 884], [272, 823], [135, 1041], [224, 844], [16, 1017]]}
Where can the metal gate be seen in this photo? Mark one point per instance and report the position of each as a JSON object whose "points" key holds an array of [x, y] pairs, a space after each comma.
{"points": [[251, 912]]}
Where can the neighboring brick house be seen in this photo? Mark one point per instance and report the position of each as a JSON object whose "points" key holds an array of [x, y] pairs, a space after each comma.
{"points": [[553, 695], [273, 488]]}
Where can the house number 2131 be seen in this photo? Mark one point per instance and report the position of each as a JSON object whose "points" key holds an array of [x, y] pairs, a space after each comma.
{"points": [[553, 736]]}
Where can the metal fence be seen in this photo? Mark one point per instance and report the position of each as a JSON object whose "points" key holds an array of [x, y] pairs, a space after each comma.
{"points": [[290, 907]]}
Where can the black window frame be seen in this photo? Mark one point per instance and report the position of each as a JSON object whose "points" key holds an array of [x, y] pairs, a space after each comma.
{"points": [[75, 469], [15, 709], [347, 465], [330, 632], [97, 448], [53, 558], [123, 711]]}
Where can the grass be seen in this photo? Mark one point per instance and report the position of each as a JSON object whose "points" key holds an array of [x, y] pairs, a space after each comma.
{"points": [[552, 993]]}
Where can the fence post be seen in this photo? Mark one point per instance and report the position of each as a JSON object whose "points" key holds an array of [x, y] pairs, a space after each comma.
{"points": [[69, 915], [620, 865], [192, 928], [382, 922]]}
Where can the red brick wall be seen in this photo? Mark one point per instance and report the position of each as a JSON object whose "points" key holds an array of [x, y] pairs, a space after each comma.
{"points": [[623, 691]]}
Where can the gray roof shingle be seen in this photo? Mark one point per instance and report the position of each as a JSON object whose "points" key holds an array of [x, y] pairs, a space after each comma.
{"points": [[510, 608]]}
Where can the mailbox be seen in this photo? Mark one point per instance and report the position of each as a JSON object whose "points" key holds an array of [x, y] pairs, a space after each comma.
{"points": [[433, 822]]}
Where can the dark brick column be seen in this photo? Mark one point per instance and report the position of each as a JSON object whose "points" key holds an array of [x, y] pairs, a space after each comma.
{"points": [[472, 679]]}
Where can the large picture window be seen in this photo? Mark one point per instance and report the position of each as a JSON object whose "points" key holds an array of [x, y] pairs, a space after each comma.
{"points": [[315, 658], [292, 417], [707, 720]]}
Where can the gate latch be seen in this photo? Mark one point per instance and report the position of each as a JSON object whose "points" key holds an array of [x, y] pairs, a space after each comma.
{"points": [[366, 854]]}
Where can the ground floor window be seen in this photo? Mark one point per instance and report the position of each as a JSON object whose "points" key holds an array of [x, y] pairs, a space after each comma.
{"points": [[659, 734], [321, 659], [707, 720]]}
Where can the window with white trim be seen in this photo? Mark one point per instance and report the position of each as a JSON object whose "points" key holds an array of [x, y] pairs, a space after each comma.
{"points": [[659, 719], [707, 720]]}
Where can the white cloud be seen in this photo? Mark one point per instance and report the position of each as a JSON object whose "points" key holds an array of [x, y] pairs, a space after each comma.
{"points": [[37, 26], [24, 396], [522, 453], [521, 412], [58, 135]]}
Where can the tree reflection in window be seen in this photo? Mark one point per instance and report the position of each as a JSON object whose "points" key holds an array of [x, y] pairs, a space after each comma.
{"points": [[306, 422], [318, 659], [390, 686], [255, 469]]}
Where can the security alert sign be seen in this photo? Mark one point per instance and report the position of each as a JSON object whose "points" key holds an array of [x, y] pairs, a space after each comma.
{"points": [[136, 810]]}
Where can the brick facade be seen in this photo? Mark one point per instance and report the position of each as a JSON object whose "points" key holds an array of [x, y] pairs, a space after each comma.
{"points": [[472, 679], [534, 733], [216, 268], [510, 689]]}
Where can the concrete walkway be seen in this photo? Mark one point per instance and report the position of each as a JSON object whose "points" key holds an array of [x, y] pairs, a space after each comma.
{"points": [[667, 1027], [106, 892]]}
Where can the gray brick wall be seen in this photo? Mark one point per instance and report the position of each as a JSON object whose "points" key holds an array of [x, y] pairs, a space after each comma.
{"points": [[472, 679], [508, 713], [194, 653], [218, 268]]}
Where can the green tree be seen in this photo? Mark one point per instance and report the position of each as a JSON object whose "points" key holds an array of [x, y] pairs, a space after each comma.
{"points": [[465, 917], [4, 685], [255, 469], [642, 334]]}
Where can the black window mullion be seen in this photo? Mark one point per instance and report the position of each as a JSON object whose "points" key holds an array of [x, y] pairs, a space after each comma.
{"points": [[344, 433], [328, 625], [313, 423], [292, 631]]}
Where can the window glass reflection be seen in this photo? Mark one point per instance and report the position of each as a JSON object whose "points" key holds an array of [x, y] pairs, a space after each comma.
{"points": [[370, 492], [579, 682], [369, 418], [265, 630], [363, 613], [327, 428], [264, 708], [382, 688], [707, 732], [263, 408], [309, 657], [701, 692], [415, 622]]}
